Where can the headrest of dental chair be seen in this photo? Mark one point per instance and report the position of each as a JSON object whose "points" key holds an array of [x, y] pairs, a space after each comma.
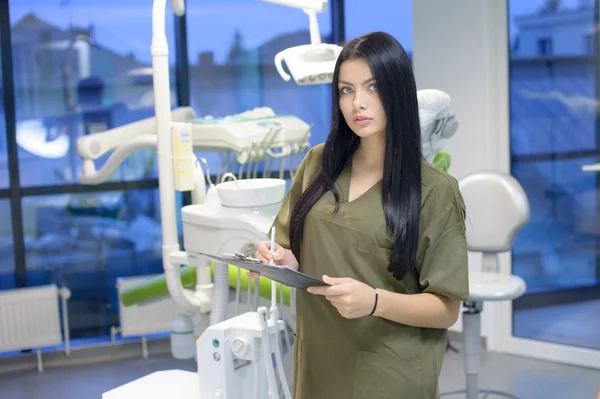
{"points": [[436, 114], [497, 209]]}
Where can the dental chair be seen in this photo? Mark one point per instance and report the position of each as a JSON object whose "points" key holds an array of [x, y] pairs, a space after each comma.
{"points": [[497, 209]]}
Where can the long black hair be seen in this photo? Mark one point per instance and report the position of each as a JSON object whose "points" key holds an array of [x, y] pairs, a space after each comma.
{"points": [[401, 184]]}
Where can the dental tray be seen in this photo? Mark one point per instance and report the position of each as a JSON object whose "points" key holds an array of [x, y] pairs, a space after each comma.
{"points": [[282, 274], [242, 133]]}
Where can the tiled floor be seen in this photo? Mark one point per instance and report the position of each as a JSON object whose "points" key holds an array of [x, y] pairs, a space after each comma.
{"points": [[525, 378]]}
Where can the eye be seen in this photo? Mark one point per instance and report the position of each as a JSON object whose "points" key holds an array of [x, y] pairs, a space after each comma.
{"points": [[345, 90], [373, 87]]}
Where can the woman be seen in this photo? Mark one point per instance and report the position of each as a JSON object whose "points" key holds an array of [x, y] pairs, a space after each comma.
{"points": [[383, 228]]}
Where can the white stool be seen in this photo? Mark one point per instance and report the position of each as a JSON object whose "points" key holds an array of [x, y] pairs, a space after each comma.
{"points": [[497, 209]]}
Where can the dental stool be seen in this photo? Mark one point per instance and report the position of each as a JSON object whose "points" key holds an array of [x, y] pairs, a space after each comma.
{"points": [[497, 209]]}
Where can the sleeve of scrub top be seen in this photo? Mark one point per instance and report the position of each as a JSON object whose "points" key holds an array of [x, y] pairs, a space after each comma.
{"points": [[282, 220], [444, 269]]}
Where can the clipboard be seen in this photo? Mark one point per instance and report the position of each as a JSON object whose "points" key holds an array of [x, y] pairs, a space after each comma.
{"points": [[282, 274]]}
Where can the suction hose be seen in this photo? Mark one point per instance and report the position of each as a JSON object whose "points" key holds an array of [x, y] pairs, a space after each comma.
{"points": [[220, 293], [267, 351]]}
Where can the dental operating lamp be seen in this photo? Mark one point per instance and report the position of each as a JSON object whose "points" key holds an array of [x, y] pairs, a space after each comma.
{"points": [[312, 63]]}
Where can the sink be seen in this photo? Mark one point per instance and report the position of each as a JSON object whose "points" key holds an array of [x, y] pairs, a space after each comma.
{"points": [[248, 193]]}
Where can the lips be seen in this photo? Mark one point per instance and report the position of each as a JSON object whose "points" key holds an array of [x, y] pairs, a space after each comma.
{"points": [[361, 119]]}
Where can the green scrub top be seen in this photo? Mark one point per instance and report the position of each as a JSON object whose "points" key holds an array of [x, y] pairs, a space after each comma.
{"points": [[371, 357]]}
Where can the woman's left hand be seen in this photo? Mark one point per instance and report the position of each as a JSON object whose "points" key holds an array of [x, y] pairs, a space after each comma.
{"points": [[350, 297]]}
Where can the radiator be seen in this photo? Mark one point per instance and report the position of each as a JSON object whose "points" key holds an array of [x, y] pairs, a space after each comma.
{"points": [[143, 319], [30, 318]]}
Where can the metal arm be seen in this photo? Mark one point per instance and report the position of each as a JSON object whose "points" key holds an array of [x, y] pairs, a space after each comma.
{"points": [[91, 176], [93, 146]]}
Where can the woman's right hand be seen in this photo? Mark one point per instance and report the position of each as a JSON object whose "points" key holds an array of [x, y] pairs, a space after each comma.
{"points": [[280, 256]]}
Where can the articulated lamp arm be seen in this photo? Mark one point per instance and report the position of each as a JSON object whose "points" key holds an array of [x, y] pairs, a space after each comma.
{"points": [[124, 141], [310, 8]]}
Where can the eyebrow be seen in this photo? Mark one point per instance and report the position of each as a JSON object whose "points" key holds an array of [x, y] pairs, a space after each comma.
{"points": [[350, 84]]}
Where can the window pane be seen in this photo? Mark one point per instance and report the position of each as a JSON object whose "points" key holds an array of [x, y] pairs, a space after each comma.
{"points": [[232, 66], [557, 249], [85, 242], [81, 67], [7, 257], [3, 149], [552, 79], [360, 19], [555, 150]]}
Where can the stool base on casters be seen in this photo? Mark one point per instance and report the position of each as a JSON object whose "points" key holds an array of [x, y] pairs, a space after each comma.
{"points": [[472, 354]]}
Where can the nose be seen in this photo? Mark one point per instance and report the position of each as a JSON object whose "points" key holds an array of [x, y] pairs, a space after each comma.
{"points": [[360, 100]]}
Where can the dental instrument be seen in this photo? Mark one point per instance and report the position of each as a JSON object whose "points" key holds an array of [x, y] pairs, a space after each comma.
{"points": [[260, 126]]}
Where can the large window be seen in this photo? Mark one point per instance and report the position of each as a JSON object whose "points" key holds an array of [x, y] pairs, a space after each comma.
{"points": [[555, 147], [82, 67]]}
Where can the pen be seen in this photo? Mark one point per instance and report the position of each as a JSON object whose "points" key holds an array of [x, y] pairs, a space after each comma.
{"points": [[273, 285], [272, 261]]}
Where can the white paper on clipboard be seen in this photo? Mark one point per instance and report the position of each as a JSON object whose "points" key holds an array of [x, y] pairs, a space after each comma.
{"points": [[282, 274]]}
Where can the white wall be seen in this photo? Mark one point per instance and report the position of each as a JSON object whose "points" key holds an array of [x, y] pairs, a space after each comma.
{"points": [[460, 48]]}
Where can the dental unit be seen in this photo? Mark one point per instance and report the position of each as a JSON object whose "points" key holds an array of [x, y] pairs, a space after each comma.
{"points": [[234, 351]]}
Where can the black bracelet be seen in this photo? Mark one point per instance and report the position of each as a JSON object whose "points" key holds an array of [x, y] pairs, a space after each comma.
{"points": [[376, 300]]}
